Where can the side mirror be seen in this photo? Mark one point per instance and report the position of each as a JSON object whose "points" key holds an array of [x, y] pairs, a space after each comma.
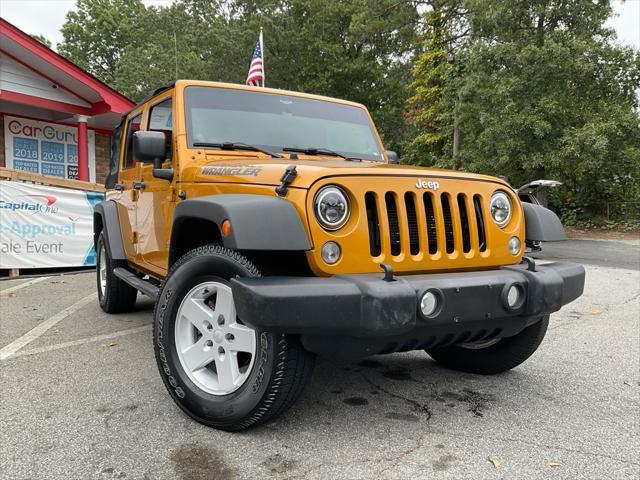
{"points": [[393, 157], [149, 147]]}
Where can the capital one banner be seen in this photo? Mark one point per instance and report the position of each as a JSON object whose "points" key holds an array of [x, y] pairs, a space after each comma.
{"points": [[42, 226], [46, 148]]}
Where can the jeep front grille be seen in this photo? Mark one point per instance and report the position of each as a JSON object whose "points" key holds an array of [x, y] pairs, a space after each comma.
{"points": [[425, 222]]}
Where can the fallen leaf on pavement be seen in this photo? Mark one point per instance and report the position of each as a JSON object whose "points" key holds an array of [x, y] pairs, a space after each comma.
{"points": [[551, 463], [596, 312], [495, 461], [39, 317], [12, 294], [627, 383], [109, 345]]}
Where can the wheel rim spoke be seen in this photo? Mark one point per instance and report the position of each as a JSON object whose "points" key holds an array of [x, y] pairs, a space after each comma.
{"points": [[198, 355], [196, 312], [224, 305], [244, 339], [228, 372]]}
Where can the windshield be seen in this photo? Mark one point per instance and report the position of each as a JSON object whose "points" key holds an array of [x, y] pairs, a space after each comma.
{"points": [[274, 122]]}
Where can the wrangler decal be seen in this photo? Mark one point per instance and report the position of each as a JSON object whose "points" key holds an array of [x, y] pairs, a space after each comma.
{"points": [[249, 170]]}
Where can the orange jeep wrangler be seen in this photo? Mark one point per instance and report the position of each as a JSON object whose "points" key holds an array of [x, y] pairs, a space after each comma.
{"points": [[271, 226]]}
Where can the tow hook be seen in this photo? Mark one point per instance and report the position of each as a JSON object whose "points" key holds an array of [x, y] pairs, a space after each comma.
{"points": [[388, 272], [287, 177], [531, 263]]}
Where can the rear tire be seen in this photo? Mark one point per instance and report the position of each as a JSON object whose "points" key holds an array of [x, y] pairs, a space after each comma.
{"points": [[114, 295], [269, 370], [497, 357]]}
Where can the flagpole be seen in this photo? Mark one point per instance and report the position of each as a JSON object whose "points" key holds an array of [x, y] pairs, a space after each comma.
{"points": [[264, 83]]}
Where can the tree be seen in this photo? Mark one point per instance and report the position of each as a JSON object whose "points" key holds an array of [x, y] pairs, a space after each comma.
{"points": [[42, 39], [547, 93], [539, 89], [431, 109], [97, 34]]}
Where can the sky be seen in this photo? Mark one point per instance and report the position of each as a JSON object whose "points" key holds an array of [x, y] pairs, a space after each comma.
{"points": [[45, 17]]}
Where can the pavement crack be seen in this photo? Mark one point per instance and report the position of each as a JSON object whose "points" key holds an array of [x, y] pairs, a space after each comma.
{"points": [[419, 407]]}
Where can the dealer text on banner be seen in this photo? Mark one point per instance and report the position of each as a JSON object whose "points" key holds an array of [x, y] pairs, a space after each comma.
{"points": [[46, 148], [42, 226]]}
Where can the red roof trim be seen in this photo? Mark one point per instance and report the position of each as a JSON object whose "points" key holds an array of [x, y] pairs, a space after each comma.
{"points": [[30, 100], [118, 102]]}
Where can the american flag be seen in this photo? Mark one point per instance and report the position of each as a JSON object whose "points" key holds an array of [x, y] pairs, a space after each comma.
{"points": [[255, 77]]}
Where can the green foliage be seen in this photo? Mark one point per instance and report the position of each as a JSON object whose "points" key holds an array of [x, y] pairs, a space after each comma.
{"points": [[538, 89], [42, 39]]}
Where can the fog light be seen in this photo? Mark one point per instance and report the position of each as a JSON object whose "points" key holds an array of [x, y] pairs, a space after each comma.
{"points": [[514, 295], [514, 245], [330, 252], [428, 304]]}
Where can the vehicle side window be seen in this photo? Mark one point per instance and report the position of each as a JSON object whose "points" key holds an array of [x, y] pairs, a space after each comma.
{"points": [[161, 120], [132, 127]]}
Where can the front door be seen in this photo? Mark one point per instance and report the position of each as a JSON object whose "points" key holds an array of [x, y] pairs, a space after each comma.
{"points": [[155, 205], [126, 195]]}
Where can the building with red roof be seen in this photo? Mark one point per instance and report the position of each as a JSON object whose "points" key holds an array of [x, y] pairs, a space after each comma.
{"points": [[55, 118]]}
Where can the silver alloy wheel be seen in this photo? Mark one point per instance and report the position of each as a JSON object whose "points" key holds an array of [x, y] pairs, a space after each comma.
{"points": [[479, 345], [102, 269], [215, 351]]}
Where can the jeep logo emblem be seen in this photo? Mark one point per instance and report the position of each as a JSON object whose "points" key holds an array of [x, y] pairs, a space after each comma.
{"points": [[427, 184]]}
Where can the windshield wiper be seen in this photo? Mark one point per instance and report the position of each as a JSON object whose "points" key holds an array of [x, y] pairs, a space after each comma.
{"points": [[237, 146], [320, 151]]}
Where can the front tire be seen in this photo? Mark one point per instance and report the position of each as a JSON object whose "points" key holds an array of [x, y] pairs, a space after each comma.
{"points": [[222, 373], [497, 356], [114, 295]]}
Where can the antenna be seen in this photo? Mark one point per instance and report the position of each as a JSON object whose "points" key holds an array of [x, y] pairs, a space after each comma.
{"points": [[175, 52]]}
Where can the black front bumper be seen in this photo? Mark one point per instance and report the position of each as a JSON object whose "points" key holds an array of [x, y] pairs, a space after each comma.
{"points": [[366, 306]]}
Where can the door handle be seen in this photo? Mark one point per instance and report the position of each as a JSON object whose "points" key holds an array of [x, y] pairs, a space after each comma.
{"points": [[119, 187], [138, 185]]}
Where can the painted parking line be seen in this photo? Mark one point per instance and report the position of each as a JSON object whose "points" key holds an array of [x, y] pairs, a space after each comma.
{"points": [[82, 341], [36, 332], [6, 292]]}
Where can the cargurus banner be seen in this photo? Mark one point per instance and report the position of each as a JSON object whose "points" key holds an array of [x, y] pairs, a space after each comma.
{"points": [[46, 148], [43, 226]]}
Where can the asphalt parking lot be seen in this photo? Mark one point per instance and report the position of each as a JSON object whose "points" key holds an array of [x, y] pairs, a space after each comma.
{"points": [[81, 398]]}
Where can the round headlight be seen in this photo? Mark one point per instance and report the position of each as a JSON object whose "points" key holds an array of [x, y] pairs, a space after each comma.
{"points": [[332, 207], [500, 207]]}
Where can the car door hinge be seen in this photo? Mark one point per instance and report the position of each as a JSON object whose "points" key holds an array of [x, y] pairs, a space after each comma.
{"points": [[134, 237], [172, 194]]}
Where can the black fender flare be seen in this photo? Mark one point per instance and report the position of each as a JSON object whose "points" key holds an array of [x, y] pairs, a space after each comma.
{"points": [[105, 215], [542, 225], [258, 222]]}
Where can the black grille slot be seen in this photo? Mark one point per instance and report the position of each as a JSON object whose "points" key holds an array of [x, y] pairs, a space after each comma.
{"points": [[464, 223], [431, 223], [482, 236], [394, 228], [448, 223], [374, 225], [412, 221]]}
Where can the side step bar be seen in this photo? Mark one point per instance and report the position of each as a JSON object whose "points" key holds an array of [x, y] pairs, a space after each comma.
{"points": [[148, 288]]}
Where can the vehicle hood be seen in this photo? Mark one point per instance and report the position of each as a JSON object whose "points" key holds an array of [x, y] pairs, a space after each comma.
{"points": [[268, 171]]}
